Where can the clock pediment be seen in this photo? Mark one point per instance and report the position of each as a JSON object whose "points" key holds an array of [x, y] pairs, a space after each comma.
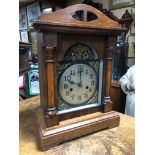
{"points": [[66, 17]]}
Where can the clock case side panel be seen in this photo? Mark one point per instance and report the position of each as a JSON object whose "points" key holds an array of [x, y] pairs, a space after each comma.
{"points": [[42, 71], [65, 41]]}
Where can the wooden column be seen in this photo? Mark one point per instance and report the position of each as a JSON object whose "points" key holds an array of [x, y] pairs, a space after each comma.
{"points": [[108, 67], [51, 111]]}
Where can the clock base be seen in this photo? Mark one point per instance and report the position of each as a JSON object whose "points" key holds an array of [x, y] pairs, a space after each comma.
{"points": [[72, 128]]}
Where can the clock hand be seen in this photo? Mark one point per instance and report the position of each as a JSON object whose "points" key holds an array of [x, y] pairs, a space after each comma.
{"points": [[80, 84], [71, 82], [80, 74]]}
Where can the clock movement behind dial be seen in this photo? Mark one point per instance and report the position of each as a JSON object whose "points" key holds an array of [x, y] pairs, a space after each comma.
{"points": [[75, 64]]}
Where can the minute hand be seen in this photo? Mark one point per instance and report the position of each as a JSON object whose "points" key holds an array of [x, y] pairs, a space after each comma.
{"points": [[80, 84]]}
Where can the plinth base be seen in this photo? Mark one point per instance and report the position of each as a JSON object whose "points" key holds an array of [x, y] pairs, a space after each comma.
{"points": [[72, 128]]}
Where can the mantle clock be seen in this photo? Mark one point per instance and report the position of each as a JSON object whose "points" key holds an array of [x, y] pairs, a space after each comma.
{"points": [[75, 47]]}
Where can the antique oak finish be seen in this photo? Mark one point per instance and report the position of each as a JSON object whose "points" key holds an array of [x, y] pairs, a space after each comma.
{"points": [[61, 36]]}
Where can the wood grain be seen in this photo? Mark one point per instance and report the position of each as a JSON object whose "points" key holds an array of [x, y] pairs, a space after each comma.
{"points": [[51, 111], [119, 140], [64, 18], [72, 128], [51, 76]]}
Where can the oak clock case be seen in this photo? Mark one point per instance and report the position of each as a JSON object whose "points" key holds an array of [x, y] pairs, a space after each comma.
{"points": [[75, 70]]}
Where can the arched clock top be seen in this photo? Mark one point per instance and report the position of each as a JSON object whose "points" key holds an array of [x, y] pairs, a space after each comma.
{"points": [[67, 17]]}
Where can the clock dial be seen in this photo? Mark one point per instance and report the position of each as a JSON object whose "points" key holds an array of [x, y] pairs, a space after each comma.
{"points": [[78, 84]]}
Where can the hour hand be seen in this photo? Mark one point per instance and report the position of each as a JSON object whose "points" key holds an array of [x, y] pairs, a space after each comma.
{"points": [[71, 82]]}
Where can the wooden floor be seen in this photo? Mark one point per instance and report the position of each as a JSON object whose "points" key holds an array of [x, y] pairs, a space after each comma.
{"points": [[116, 141]]}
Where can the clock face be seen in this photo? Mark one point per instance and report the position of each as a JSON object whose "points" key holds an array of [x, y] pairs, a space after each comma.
{"points": [[78, 84]]}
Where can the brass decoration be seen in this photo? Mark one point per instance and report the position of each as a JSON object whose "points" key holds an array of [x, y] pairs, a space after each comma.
{"points": [[62, 105], [94, 98], [80, 51], [95, 65], [60, 67]]}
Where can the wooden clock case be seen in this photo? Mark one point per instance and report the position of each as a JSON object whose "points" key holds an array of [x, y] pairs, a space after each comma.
{"points": [[57, 32]]}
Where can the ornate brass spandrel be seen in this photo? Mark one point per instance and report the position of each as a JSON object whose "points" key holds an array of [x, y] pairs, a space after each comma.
{"points": [[95, 65], [62, 105], [94, 98], [60, 67], [80, 51]]}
